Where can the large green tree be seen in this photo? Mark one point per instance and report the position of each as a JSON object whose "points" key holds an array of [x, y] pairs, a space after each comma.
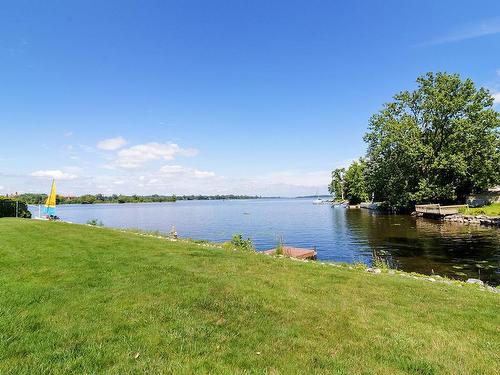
{"points": [[437, 143], [350, 184], [355, 183], [337, 186]]}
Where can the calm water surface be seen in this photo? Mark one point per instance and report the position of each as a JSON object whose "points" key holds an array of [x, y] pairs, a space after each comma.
{"points": [[339, 234]]}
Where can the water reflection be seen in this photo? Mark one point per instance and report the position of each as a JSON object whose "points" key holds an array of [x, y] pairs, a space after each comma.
{"points": [[429, 246]]}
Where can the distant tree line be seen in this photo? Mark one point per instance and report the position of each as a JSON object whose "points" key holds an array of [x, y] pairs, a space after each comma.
{"points": [[436, 144], [31, 198]]}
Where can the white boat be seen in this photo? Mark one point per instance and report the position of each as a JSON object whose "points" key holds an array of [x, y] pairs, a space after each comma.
{"points": [[318, 201]]}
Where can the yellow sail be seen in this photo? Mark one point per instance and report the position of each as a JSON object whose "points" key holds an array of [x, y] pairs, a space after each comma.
{"points": [[51, 199]]}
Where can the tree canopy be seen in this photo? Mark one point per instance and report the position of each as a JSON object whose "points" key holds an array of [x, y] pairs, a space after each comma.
{"points": [[350, 184], [337, 185], [437, 143], [355, 184]]}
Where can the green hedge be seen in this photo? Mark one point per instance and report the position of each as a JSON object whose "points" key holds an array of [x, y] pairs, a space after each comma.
{"points": [[8, 208]]}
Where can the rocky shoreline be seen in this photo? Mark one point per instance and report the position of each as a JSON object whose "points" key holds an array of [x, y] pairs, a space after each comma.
{"points": [[436, 278], [470, 219]]}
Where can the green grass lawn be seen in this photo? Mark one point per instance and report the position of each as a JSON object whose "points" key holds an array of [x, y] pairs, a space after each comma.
{"points": [[79, 299], [488, 210]]}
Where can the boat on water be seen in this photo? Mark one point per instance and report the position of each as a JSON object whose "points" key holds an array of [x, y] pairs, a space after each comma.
{"points": [[323, 200], [49, 211]]}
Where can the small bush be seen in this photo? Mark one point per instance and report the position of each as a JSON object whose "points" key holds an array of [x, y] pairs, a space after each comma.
{"points": [[279, 249], [379, 261], [241, 243], [95, 223], [279, 246]]}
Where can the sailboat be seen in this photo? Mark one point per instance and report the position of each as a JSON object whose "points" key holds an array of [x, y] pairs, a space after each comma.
{"points": [[318, 200], [50, 204]]}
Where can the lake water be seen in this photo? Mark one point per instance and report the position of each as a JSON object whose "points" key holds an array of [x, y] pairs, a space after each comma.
{"points": [[339, 234]]}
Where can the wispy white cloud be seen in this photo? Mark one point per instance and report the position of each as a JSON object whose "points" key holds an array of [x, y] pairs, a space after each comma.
{"points": [[178, 170], [295, 178], [178, 179], [111, 144], [138, 155], [286, 183], [476, 30], [148, 169], [496, 97], [54, 173]]}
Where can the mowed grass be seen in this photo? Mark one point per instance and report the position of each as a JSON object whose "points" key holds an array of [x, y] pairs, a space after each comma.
{"points": [[488, 210], [78, 299]]}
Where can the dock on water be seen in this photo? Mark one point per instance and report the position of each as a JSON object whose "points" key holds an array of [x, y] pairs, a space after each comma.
{"points": [[438, 210], [295, 252]]}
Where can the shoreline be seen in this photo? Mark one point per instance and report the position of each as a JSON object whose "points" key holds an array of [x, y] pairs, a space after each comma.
{"points": [[490, 221], [485, 220], [377, 232], [434, 278]]}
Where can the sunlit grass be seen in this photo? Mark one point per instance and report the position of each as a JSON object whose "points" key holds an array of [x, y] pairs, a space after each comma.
{"points": [[488, 210], [81, 299]]}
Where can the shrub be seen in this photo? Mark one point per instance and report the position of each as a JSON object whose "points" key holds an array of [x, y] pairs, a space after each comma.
{"points": [[241, 243], [8, 208], [279, 247], [95, 223]]}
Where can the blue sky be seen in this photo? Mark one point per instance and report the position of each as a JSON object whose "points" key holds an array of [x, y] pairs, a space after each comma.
{"points": [[250, 97]]}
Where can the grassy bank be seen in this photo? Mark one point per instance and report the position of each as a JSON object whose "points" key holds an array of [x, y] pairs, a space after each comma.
{"points": [[79, 299], [489, 210]]}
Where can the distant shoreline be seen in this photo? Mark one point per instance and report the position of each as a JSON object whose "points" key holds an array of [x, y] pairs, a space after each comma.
{"points": [[75, 200], [37, 199]]}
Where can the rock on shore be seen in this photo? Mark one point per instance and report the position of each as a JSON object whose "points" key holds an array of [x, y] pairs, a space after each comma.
{"points": [[468, 219]]}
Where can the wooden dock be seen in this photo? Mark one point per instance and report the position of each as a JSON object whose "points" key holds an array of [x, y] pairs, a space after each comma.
{"points": [[438, 210], [295, 252]]}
